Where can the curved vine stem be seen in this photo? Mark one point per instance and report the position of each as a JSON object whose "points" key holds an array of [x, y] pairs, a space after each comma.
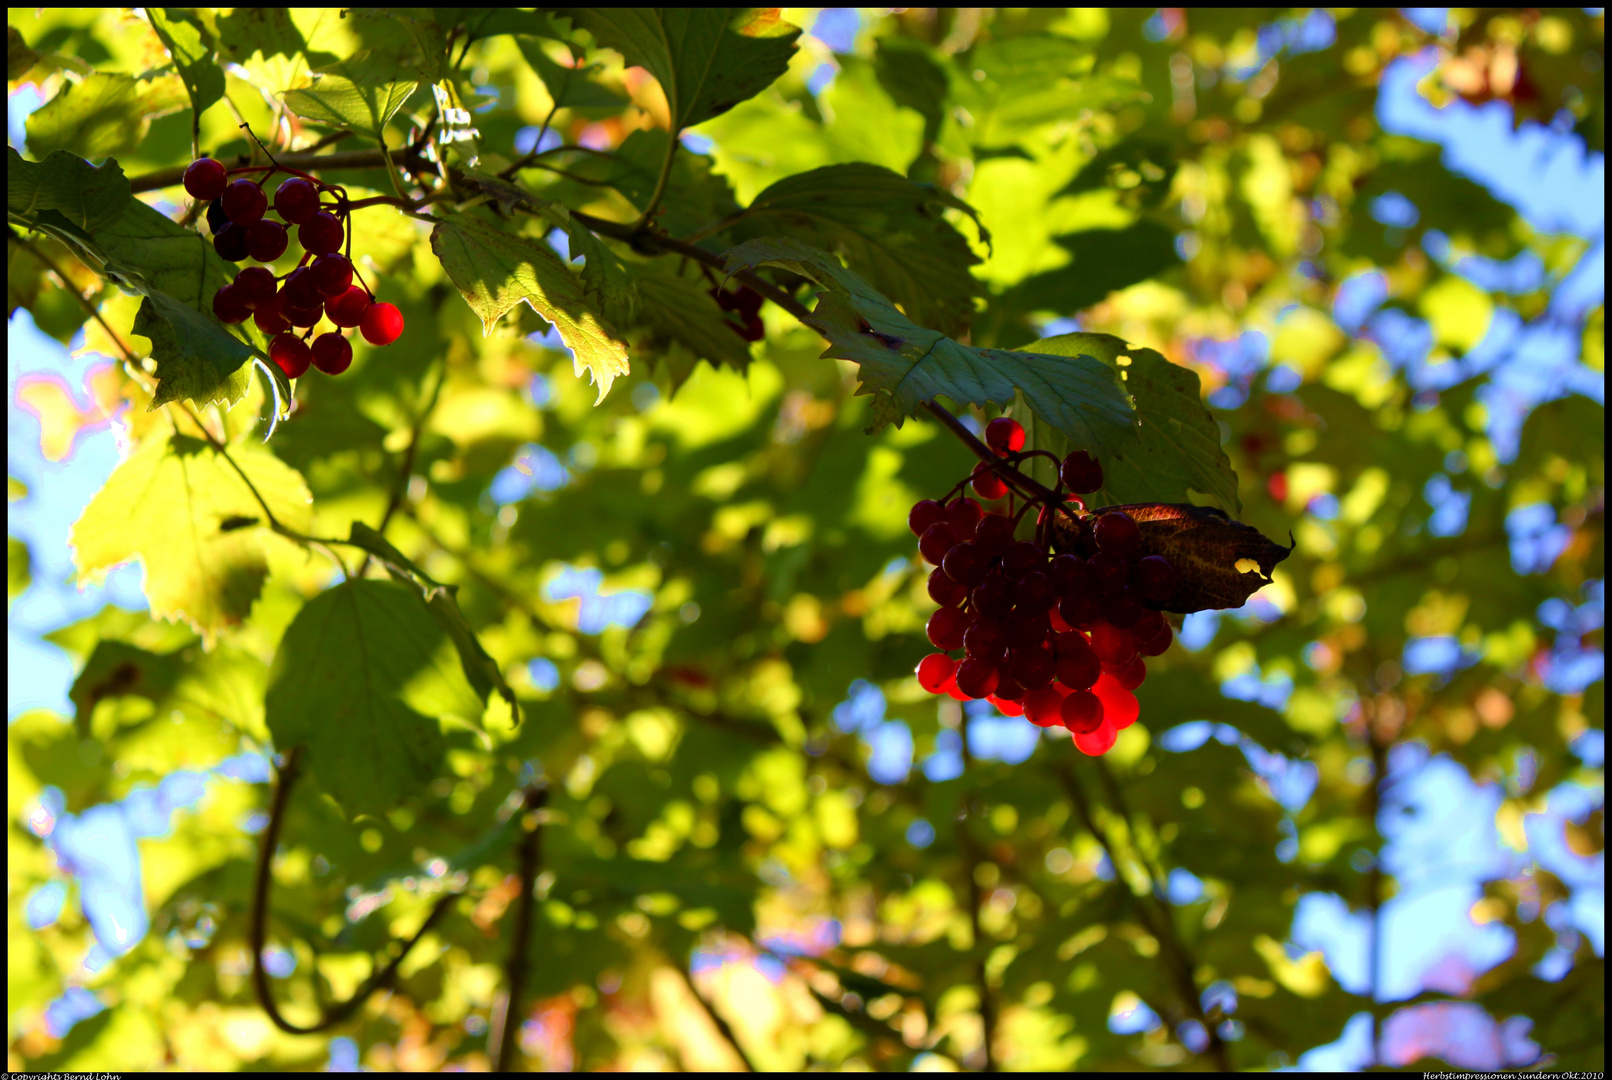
{"points": [[330, 1015], [506, 1017]]}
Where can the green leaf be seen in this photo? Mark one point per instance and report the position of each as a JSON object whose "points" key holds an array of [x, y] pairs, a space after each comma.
{"points": [[361, 678], [706, 59], [359, 94], [695, 197], [174, 268], [1102, 261], [914, 76], [103, 115], [1176, 448], [570, 87], [19, 569], [480, 670], [683, 316], [495, 270], [222, 683], [188, 42], [887, 228], [165, 506], [904, 365]]}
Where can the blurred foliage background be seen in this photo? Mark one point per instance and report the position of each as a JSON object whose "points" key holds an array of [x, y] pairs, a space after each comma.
{"points": [[1360, 819]]}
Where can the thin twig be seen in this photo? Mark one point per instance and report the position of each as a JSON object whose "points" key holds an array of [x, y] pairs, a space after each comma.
{"points": [[532, 154], [506, 1017], [717, 1019], [286, 777]]}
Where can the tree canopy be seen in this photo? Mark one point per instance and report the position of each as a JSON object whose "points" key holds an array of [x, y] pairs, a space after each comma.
{"points": [[538, 691]]}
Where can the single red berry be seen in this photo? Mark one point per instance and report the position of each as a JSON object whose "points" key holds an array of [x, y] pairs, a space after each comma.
{"points": [[321, 234], [1151, 623], [1059, 626], [967, 564], [216, 221], [1120, 706], [994, 533], [1026, 631], [291, 354], [944, 591], [330, 275], [1004, 435], [1077, 667], [1023, 558], [1099, 742], [754, 329], [1124, 608], [244, 201], [924, 513], [1107, 572], [332, 353], [297, 290], [1082, 712], [1043, 706], [993, 597], [986, 639], [1081, 473], [1155, 578], [265, 240], [268, 318], [1130, 675], [382, 324], [987, 485], [1033, 595], [296, 200], [1117, 533], [934, 670], [1032, 667], [231, 244], [348, 308], [205, 179], [1112, 645], [1068, 575], [1007, 703], [977, 677], [946, 628], [964, 514], [1081, 611], [1157, 643], [229, 305], [256, 287], [304, 317]]}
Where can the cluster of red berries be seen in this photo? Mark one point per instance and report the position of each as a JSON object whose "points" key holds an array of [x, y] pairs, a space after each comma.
{"points": [[319, 287], [1057, 637], [745, 303]]}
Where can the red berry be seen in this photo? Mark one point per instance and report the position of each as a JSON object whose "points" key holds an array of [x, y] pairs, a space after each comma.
{"points": [[1022, 558], [291, 354], [1130, 675], [1026, 631], [1156, 644], [1124, 608], [382, 324], [268, 318], [1155, 578], [1080, 473], [1068, 575], [205, 179], [1120, 707], [256, 286], [1031, 667], [985, 639], [1107, 573], [1077, 666], [946, 628], [934, 670], [296, 200], [944, 591], [1043, 706], [994, 533], [265, 240], [977, 677], [332, 353], [987, 485], [1004, 435], [1033, 594], [304, 317], [935, 542], [229, 305], [964, 514], [1081, 611], [244, 201], [1151, 623], [1082, 712], [330, 275], [1099, 742], [993, 597], [1112, 645], [1007, 706], [1117, 533], [348, 308], [297, 290], [924, 513], [1059, 626], [231, 243], [967, 564], [321, 234]]}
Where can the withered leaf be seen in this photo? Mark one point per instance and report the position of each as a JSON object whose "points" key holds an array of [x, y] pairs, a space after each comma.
{"points": [[1205, 546]]}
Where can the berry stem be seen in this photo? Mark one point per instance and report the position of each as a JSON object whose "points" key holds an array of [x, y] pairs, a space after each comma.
{"points": [[1031, 489]]}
